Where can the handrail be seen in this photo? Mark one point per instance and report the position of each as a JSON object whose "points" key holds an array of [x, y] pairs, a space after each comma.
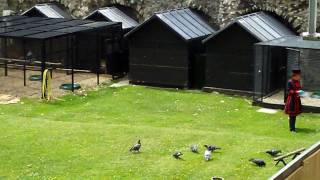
{"points": [[295, 164], [75, 70], [15, 66], [23, 61], [289, 154]]}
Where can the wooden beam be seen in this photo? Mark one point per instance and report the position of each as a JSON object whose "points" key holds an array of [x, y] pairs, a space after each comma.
{"points": [[295, 164]]}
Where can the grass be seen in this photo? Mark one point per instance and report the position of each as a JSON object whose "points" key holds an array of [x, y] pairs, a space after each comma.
{"points": [[89, 136]]}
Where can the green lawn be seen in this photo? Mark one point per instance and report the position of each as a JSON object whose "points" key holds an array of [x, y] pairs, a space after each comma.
{"points": [[89, 136]]}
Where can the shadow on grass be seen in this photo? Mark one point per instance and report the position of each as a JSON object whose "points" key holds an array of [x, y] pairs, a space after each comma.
{"points": [[166, 88], [179, 159], [135, 153], [306, 130]]}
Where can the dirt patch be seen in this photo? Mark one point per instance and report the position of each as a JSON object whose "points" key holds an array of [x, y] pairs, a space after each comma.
{"points": [[7, 99], [124, 82], [12, 86]]}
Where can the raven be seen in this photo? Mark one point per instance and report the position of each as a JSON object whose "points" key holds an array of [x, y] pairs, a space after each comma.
{"points": [[258, 162], [177, 155], [136, 147], [212, 148]]}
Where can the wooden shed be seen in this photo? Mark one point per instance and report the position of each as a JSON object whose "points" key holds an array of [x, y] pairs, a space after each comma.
{"points": [[162, 50], [48, 10], [230, 52], [117, 64]]}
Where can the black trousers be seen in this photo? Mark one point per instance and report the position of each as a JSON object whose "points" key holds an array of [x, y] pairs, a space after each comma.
{"points": [[292, 123]]}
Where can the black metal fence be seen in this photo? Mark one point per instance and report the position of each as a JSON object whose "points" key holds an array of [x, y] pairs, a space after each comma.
{"points": [[68, 45]]}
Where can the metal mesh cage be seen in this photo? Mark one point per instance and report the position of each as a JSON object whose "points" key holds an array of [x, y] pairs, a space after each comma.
{"points": [[273, 69]]}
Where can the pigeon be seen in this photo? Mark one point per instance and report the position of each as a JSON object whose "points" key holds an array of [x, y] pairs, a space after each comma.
{"points": [[29, 56], [258, 162], [136, 147], [177, 155], [194, 148], [273, 152], [212, 148], [207, 155], [217, 178]]}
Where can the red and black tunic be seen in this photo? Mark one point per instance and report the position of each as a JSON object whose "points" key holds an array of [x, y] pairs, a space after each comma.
{"points": [[293, 104]]}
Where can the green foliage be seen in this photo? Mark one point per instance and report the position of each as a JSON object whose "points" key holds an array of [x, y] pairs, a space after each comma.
{"points": [[89, 136]]}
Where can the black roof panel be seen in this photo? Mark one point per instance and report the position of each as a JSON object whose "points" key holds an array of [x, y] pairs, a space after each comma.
{"points": [[32, 19], [75, 22], [261, 25], [11, 18], [5, 30], [49, 10], [115, 15], [45, 35], [9, 23], [292, 42], [184, 22], [99, 24], [37, 27], [187, 23], [48, 27], [74, 29], [19, 33], [25, 26], [54, 21]]}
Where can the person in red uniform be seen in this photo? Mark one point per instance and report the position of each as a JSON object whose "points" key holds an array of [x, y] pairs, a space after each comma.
{"points": [[293, 105]]}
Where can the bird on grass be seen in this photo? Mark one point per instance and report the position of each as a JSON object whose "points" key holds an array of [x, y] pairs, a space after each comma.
{"points": [[194, 148], [217, 178], [177, 155], [136, 147], [274, 152], [211, 148], [207, 155], [258, 162]]}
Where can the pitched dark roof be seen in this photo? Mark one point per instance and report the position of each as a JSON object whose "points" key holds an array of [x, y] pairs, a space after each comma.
{"points": [[19, 33], [187, 24], [113, 14], [38, 28], [99, 24], [292, 42], [49, 10], [261, 25], [11, 18]]}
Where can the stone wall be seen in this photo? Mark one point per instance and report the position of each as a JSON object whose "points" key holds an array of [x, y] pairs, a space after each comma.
{"points": [[3, 5], [220, 11], [310, 65]]}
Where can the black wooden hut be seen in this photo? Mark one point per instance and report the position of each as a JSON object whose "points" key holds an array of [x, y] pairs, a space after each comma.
{"points": [[116, 63], [48, 10], [230, 52], [162, 50]]}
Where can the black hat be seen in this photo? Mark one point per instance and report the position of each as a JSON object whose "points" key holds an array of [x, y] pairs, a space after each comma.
{"points": [[296, 71]]}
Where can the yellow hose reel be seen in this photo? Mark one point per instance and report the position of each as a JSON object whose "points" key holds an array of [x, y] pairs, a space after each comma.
{"points": [[46, 85]]}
